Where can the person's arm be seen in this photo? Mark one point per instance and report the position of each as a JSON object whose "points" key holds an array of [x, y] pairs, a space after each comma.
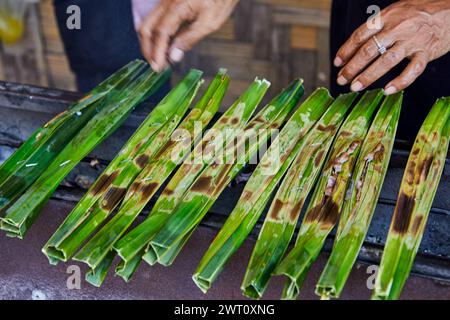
{"points": [[415, 29], [175, 26]]}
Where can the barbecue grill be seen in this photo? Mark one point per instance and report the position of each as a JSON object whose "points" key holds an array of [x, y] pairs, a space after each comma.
{"points": [[23, 108]]}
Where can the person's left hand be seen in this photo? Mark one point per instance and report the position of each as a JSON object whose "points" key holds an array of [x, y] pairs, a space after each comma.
{"points": [[415, 29]]}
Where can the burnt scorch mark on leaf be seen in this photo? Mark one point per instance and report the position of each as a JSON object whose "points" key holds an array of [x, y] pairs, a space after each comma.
{"points": [[424, 169], [168, 146], [222, 179], [403, 212], [148, 191], [112, 197], [285, 155], [346, 133], [327, 128], [247, 195], [417, 224], [343, 157], [275, 211], [259, 119], [319, 158], [135, 186], [103, 182], [142, 160], [266, 164], [435, 136], [436, 170], [224, 120], [203, 144], [137, 148], [295, 212], [326, 213], [423, 137], [376, 155], [251, 125], [202, 185], [256, 123], [410, 171], [167, 192], [214, 165], [162, 134]]}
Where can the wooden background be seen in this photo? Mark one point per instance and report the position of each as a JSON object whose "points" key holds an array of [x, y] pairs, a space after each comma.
{"points": [[275, 39]]}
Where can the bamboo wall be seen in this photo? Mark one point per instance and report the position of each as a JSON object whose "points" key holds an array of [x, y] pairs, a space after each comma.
{"points": [[276, 39]]}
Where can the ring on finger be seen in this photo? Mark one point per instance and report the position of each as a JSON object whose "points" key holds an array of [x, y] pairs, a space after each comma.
{"points": [[381, 49]]}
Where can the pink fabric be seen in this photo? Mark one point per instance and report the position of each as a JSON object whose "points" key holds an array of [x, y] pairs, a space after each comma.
{"points": [[141, 8]]}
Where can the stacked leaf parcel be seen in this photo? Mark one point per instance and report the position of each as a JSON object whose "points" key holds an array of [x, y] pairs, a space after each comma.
{"points": [[325, 166], [140, 168], [30, 176], [211, 170]]}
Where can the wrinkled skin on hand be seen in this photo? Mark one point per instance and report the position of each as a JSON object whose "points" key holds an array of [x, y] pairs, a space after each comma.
{"points": [[418, 30], [175, 26]]}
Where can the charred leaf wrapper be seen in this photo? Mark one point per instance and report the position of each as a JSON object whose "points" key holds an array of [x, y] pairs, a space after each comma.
{"points": [[335, 150]]}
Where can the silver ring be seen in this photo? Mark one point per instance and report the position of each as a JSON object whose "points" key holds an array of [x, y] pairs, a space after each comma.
{"points": [[381, 49]]}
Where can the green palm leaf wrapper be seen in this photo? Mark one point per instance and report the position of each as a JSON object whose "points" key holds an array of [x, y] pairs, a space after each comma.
{"points": [[234, 119], [156, 172], [210, 184], [97, 276], [418, 188], [112, 184], [20, 215], [154, 175], [20, 170], [344, 158], [281, 220], [328, 198], [92, 254], [252, 202], [368, 177]]}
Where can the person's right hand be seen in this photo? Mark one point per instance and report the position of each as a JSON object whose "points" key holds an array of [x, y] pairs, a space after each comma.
{"points": [[175, 26]]}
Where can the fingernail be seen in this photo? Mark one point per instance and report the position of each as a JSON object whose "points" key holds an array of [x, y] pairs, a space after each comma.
{"points": [[342, 81], [176, 55], [356, 86], [390, 90], [338, 62], [154, 66]]}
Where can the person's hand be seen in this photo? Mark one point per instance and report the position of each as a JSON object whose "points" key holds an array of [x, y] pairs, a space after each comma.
{"points": [[175, 26], [415, 29]]}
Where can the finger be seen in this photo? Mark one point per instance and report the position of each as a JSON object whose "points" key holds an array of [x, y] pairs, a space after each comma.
{"points": [[349, 48], [145, 31], [167, 27], [379, 68], [414, 69], [363, 57], [186, 39]]}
